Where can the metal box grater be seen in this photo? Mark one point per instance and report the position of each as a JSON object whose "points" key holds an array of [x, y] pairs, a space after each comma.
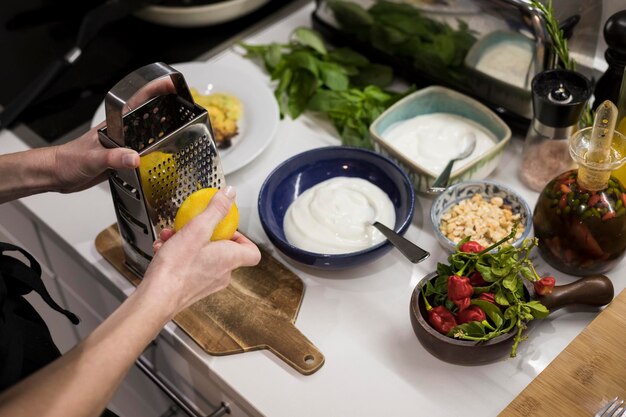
{"points": [[173, 137]]}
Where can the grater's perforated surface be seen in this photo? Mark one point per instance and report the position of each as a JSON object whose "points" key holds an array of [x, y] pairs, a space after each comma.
{"points": [[156, 119], [172, 177], [178, 154]]}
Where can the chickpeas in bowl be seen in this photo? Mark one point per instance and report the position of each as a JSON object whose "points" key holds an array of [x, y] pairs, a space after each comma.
{"points": [[484, 211]]}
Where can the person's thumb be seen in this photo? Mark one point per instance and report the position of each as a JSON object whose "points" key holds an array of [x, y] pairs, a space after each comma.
{"points": [[119, 158], [201, 227]]}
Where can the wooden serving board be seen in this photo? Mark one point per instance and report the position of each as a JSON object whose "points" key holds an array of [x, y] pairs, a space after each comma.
{"points": [[256, 311], [586, 375]]}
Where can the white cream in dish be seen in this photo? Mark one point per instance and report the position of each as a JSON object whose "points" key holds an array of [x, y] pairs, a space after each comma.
{"points": [[431, 140], [335, 216], [508, 61]]}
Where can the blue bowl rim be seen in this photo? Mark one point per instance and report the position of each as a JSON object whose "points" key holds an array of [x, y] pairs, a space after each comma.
{"points": [[529, 218], [403, 227]]}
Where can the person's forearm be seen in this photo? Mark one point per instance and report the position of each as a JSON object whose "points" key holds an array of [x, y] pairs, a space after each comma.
{"points": [[26, 173], [82, 382]]}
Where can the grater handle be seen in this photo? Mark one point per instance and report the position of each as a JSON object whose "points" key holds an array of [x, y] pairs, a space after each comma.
{"points": [[129, 86]]}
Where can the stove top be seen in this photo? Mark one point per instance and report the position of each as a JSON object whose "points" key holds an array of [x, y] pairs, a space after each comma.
{"points": [[33, 33]]}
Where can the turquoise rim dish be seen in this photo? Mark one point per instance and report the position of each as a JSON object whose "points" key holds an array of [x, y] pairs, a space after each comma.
{"points": [[437, 99]]}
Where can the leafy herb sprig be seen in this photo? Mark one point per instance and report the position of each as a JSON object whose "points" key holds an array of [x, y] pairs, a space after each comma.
{"points": [[341, 83], [504, 272], [556, 34], [401, 31], [562, 50]]}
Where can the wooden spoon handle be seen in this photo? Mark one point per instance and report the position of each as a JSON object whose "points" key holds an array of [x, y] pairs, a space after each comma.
{"points": [[594, 290]]}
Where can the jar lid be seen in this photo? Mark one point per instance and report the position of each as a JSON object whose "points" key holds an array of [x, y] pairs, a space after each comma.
{"points": [[559, 97]]}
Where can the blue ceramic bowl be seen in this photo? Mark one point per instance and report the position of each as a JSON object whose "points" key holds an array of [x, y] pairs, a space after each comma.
{"points": [[303, 171], [437, 99], [488, 189]]}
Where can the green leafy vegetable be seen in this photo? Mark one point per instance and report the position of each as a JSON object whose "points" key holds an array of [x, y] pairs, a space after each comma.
{"points": [[311, 39], [400, 30], [504, 271], [493, 312], [341, 83]]}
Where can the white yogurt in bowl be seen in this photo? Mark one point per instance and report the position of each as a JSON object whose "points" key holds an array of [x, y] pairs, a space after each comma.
{"points": [[335, 216], [431, 140]]}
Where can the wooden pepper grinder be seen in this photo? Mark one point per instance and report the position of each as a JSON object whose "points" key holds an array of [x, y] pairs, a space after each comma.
{"points": [[608, 86]]}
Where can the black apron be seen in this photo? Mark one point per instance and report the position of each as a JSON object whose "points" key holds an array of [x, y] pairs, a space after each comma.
{"points": [[25, 341]]}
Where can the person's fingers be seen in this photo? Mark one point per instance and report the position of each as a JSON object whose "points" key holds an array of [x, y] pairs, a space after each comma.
{"points": [[165, 234], [240, 238], [160, 87], [242, 251], [249, 255], [156, 245], [201, 227]]}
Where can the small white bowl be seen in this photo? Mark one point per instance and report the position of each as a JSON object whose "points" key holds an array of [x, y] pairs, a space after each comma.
{"points": [[488, 189], [441, 100]]}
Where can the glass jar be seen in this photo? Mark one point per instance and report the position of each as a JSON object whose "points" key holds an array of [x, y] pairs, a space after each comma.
{"points": [[580, 216], [544, 156], [620, 173]]}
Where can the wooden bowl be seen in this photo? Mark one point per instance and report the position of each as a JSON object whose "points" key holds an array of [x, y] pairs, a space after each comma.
{"points": [[595, 290]]}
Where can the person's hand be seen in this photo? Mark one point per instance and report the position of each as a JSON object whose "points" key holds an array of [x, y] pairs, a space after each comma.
{"points": [[83, 162], [187, 266]]}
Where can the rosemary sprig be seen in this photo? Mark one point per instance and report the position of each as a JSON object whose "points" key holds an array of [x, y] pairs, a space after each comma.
{"points": [[562, 51], [556, 34]]}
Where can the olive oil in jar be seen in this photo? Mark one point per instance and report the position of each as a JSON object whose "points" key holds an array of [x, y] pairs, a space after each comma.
{"points": [[580, 216], [620, 173], [581, 232]]}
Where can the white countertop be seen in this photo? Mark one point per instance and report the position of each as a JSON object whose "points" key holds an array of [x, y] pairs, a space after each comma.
{"points": [[359, 318]]}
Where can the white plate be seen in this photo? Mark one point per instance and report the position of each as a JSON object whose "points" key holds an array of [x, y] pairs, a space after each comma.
{"points": [[259, 118], [202, 15]]}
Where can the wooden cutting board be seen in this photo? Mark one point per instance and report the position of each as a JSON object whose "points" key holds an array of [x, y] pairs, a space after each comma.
{"points": [[586, 375], [256, 311]]}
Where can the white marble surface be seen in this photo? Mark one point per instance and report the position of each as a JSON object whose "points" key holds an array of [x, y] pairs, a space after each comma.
{"points": [[359, 318]]}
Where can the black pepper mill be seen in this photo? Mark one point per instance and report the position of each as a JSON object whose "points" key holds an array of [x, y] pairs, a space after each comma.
{"points": [[608, 85]]}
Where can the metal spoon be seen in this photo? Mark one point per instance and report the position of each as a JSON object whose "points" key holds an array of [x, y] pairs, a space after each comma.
{"points": [[441, 183], [413, 252]]}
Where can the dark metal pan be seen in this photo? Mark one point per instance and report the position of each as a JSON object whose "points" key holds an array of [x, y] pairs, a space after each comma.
{"points": [[92, 23]]}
